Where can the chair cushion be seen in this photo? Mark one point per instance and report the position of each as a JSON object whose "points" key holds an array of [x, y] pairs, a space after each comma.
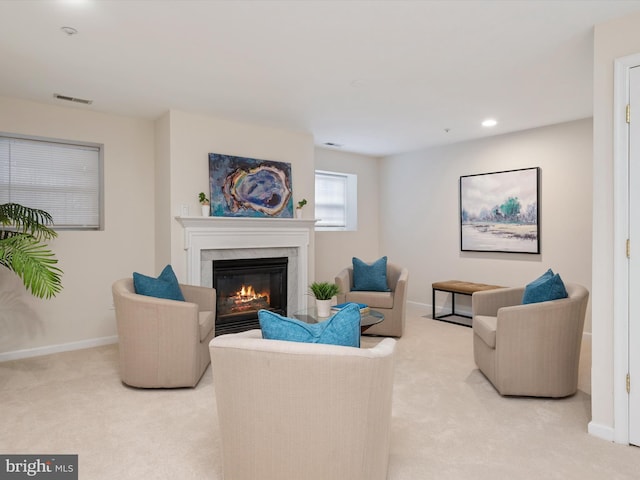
{"points": [[372, 299], [547, 287], [485, 327], [370, 277], [343, 328], [165, 286], [206, 321]]}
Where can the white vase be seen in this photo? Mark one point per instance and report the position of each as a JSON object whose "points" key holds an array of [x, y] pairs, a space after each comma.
{"points": [[298, 213], [206, 210], [323, 308]]}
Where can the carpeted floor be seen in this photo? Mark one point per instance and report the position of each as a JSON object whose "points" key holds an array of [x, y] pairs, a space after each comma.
{"points": [[448, 421]]}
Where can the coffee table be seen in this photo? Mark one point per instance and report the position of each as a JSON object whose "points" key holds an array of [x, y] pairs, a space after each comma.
{"points": [[310, 315]]}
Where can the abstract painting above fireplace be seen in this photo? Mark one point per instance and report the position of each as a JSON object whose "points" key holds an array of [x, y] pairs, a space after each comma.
{"points": [[247, 187]]}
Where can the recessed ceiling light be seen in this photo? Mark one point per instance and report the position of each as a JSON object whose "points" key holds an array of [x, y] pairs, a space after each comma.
{"points": [[489, 122]]}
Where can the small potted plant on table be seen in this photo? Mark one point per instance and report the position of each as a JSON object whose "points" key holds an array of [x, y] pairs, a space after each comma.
{"points": [[324, 292]]}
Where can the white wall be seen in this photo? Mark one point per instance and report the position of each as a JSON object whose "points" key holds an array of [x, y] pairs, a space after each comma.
{"points": [[419, 213], [192, 137], [334, 250], [612, 40], [81, 314]]}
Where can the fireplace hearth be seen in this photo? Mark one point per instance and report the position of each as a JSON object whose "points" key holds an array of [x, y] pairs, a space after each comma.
{"points": [[244, 286]]}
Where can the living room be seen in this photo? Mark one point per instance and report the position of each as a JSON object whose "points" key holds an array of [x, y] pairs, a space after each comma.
{"points": [[407, 210]]}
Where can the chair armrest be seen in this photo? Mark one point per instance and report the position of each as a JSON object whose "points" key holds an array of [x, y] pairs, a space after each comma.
{"points": [[400, 288], [343, 280], [488, 302], [204, 297], [553, 313]]}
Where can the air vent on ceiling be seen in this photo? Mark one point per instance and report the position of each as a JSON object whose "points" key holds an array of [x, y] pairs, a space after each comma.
{"points": [[72, 99], [331, 144]]}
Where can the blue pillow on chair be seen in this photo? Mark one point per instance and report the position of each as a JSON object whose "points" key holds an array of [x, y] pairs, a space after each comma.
{"points": [[341, 329], [165, 286], [547, 287], [370, 277]]}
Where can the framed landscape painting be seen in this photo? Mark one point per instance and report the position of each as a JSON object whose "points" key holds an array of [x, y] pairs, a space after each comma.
{"points": [[499, 211], [249, 187]]}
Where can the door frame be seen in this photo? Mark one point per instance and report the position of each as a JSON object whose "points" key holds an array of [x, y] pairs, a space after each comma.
{"points": [[621, 213]]}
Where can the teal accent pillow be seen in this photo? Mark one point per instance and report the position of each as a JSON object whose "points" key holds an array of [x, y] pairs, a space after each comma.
{"points": [[165, 286], [545, 288], [341, 329], [370, 277]]}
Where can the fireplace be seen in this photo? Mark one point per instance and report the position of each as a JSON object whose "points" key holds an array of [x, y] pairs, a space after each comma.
{"points": [[244, 286]]}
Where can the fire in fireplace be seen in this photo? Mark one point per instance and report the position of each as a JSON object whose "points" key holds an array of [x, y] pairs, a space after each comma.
{"points": [[244, 286]]}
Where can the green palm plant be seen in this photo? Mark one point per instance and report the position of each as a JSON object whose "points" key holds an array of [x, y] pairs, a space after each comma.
{"points": [[22, 231]]}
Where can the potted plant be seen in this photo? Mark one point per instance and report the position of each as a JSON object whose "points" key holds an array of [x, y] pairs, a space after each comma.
{"points": [[324, 292], [206, 205], [301, 204], [22, 230]]}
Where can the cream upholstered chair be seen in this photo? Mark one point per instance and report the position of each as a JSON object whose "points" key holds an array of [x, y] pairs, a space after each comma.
{"points": [[292, 411], [391, 304], [532, 349], [163, 343]]}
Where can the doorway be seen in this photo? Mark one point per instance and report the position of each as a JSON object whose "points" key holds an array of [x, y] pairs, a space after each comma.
{"points": [[626, 283]]}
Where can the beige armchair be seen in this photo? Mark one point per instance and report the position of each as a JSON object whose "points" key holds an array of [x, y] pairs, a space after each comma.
{"points": [[163, 343], [533, 349], [391, 304], [292, 411]]}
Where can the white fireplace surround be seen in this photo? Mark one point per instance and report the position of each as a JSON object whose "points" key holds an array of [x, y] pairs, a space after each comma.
{"points": [[207, 238]]}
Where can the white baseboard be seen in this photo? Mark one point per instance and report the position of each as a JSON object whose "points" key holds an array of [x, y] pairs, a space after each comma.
{"points": [[65, 347], [419, 305], [601, 431]]}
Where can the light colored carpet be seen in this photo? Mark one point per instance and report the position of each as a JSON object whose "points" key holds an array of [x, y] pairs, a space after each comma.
{"points": [[448, 421]]}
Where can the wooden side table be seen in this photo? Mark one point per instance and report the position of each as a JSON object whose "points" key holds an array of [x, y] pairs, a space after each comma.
{"points": [[456, 287]]}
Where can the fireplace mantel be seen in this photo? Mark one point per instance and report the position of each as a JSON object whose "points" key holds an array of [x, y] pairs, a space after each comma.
{"points": [[226, 233]]}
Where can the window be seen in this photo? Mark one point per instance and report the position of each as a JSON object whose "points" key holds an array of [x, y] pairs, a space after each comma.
{"points": [[63, 178], [336, 201]]}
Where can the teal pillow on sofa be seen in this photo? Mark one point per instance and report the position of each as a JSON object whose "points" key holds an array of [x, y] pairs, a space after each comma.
{"points": [[547, 287], [341, 329], [370, 277], [165, 286]]}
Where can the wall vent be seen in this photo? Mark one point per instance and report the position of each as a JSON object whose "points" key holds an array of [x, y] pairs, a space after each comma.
{"points": [[72, 99]]}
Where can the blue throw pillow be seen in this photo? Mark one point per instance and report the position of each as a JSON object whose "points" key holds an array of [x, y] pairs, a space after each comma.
{"points": [[341, 329], [370, 278], [544, 289], [165, 286]]}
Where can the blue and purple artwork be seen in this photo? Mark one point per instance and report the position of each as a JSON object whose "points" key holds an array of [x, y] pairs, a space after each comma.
{"points": [[248, 187]]}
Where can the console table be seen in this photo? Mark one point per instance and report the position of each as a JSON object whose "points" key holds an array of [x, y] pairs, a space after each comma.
{"points": [[456, 287]]}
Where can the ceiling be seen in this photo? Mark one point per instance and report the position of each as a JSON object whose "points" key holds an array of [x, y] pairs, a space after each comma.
{"points": [[377, 77]]}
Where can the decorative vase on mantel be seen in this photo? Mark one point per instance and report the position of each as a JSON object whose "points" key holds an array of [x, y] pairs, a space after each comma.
{"points": [[301, 204], [205, 204], [323, 307]]}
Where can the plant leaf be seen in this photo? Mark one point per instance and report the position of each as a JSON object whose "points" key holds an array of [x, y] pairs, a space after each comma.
{"points": [[33, 262]]}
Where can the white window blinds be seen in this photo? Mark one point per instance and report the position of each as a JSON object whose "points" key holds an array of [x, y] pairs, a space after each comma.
{"points": [[62, 178], [331, 200], [336, 201]]}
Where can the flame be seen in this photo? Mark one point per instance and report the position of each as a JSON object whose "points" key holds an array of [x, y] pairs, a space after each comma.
{"points": [[247, 294]]}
